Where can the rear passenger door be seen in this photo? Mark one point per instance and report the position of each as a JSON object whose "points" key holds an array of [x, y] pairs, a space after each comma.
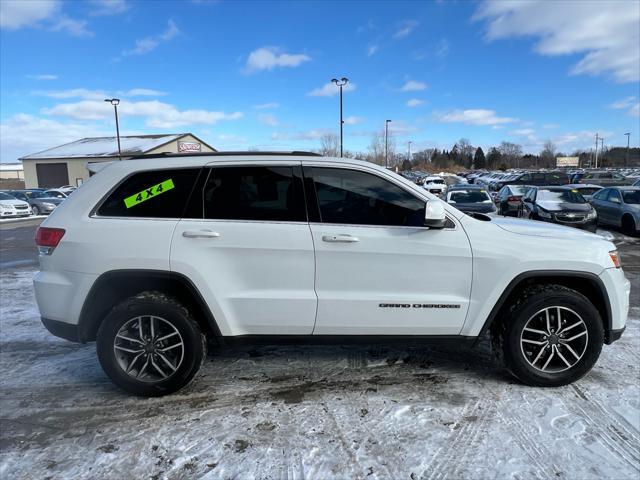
{"points": [[245, 243], [600, 203]]}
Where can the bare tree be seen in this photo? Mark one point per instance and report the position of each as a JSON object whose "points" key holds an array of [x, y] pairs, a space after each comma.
{"points": [[548, 154], [329, 145], [377, 149], [466, 151], [511, 153]]}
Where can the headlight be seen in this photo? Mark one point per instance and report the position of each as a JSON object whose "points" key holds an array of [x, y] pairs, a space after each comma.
{"points": [[543, 213], [591, 215], [48, 205], [4, 208]]}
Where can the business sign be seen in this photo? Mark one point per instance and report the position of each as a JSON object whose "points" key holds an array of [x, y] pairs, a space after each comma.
{"points": [[567, 161], [189, 147]]}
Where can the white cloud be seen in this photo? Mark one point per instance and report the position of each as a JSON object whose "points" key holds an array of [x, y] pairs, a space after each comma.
{"points": [[472, 117], [157, 114], [330, 89], [371, 51], [413, 86], [44, 76], [606, 33], [401, 128], [19, 14], [353, 120], [77, 28], [550, 125], [268, 58], [87, 94], [405, 28], [581, 139], [268, 119], [414, 102], [266, 106], [148, 44], [24, 134], [630, 104], [442, 48], [109, 7]]}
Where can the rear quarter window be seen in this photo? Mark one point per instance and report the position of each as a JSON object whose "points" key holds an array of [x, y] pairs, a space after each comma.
{"points": [[151, 194]]}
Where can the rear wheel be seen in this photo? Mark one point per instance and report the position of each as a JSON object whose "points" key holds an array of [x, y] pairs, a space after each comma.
{"points": [[149, 345], [552, 336]]}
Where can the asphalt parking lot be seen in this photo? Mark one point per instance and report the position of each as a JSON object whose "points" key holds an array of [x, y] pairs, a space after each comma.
{"points": [[308, 412]]}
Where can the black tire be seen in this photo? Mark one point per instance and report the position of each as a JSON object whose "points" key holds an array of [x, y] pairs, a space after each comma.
{"points": [[172, 315], [35, 210], [628, 225], [508, 334]]}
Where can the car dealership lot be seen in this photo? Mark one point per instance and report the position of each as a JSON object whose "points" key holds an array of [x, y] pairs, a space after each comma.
{"points": [[309, 411]]}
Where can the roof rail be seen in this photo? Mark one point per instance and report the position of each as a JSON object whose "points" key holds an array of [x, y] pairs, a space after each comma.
{"points": [[226, 154]]}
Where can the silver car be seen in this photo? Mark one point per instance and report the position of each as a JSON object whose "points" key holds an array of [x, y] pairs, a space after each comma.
{"points": [[618, 207]]}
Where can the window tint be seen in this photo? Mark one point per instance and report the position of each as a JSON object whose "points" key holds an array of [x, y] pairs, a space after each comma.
{"points": [[155, 194], [359, 198], [254, 193], [614, 196], [602, 194]]}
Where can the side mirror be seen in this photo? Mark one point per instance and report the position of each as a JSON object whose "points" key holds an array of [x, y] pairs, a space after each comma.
{"points": [[526, 200], [434, 215]]}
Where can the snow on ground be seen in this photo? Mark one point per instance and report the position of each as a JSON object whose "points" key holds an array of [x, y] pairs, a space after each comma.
{"points": [[310, 412]]}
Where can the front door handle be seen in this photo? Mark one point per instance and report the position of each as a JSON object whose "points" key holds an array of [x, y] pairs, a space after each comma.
{"points": [[200, 234], [340, 239]]}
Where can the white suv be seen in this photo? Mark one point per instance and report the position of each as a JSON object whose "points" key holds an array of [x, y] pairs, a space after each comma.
{"points": [[152, 257]]}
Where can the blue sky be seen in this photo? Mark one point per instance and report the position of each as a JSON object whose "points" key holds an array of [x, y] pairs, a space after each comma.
{"points": [[256, 74]]}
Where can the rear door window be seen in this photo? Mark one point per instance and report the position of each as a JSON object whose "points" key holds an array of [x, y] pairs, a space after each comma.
{"points": [[151, 194], [254, 193]]}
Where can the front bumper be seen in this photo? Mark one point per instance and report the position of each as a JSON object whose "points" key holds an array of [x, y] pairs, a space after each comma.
{"points": [[618, 289]]}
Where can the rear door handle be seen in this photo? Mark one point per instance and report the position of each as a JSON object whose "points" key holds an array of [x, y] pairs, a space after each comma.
{"points": [[340, 239], [200, 234]]}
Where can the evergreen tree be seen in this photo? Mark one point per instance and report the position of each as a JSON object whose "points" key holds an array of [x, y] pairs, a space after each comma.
{"points": [[478, 159]]}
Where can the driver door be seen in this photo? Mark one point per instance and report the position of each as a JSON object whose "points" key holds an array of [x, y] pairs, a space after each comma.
{"points": [[379, 270]]}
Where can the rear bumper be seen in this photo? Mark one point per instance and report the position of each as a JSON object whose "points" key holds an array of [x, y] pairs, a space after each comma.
{"points": [[61, 329]]}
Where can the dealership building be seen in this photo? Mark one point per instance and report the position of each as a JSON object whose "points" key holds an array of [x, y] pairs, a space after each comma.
{"points": [[67, 164]]}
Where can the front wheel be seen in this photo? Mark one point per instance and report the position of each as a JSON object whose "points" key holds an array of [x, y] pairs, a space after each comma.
{"points": [[149, 345], [552, 336], [35, 210], [628, 225]]}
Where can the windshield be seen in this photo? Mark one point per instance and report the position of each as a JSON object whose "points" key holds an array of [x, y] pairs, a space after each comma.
{"points": [[562, 196], [469, 196], [36, 194], [6, 196], [589, 191], [631, 197]]}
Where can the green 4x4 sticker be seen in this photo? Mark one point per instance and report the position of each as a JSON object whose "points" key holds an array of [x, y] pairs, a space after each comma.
{"points": [[148, 193]]}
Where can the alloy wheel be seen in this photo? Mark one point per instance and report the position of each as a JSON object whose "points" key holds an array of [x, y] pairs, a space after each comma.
{"points": [[554, 339], [148, 348]]}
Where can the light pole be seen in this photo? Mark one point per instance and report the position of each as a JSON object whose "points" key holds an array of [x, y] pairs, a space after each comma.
{"points": [[596, 150], [115, 102], [386, 143], [340, 83], [409, 152], [626, 158]]}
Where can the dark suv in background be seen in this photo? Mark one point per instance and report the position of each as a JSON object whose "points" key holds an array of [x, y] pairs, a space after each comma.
{"points": [[535, 178]]}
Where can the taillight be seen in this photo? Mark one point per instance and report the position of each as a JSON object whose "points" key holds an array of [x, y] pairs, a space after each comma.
{"points": [[513, 199], [48, 238]]}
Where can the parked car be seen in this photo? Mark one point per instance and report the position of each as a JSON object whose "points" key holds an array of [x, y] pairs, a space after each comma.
{"points": [[509, 199], [40, 202], [57, 193], [618, 207], [636, 183], [10, 206], [605, 179], [586, 190], [470, 199], [535, 178], [561, 205], [435, 185], [267, 246]]}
